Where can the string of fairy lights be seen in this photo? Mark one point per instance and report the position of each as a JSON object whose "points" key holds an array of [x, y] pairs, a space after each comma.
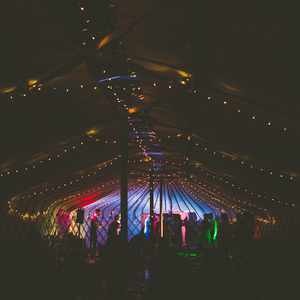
{"points": [[216, 202], [73, 181], [46, 190], [199, 192], [262, 214], [86, 21], [94, 86], [232, 201], [35, 212], [224, 180], [244, 163], [90, 37], [237, 107], [220, 202], [243, 189], [80, 197], [53, 157], [133, 126]]}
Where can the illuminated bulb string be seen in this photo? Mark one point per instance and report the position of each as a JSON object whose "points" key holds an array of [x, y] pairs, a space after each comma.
{"points": [[67, 91], [263, 211], [70, 182], [250, 164], [52, 157], [28, 216], [131, 121]]}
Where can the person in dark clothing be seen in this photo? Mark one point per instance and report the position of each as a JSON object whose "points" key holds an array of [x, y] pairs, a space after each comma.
{"points": [[137, 251], [205, 227], [245, 227], [116, 261], [95, 224], [63, 222], [114, 229], [224, 233]]}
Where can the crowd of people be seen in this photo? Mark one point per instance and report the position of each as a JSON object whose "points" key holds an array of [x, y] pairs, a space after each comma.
{"points": [[141, 260], [178, 230]]}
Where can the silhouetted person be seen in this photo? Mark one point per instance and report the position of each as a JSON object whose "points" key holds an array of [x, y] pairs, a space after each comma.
{"points": [[116, 261], [95, 224], [137, 251], [205, 231], [246, 227], [63, 222], [114, 230], [224, 232]]}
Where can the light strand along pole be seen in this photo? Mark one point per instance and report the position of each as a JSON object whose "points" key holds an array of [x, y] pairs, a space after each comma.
{"points": [[151, 206], [161, 220], [124, 179]]}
